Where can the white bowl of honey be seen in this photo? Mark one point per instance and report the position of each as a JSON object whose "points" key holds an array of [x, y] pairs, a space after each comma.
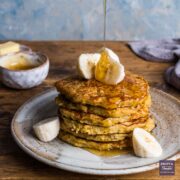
{"points": [[24, 69]]}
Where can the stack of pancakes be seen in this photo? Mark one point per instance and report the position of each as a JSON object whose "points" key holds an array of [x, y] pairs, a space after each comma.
{"points": [[100, 116]]}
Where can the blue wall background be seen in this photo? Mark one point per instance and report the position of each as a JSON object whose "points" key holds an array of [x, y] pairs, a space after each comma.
{"points": [[83, 19]]}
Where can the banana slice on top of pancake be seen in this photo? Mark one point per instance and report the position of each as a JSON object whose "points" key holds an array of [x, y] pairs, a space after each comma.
{"points": [[86, 65], [109, 70], [104, 66]]}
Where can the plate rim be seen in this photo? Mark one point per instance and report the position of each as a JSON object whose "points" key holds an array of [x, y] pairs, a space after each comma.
{"points": [[77, 169]]}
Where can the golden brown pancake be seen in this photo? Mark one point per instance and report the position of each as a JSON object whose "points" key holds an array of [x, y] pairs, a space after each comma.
{"points": [[132, 91], [137, 111], [105, 137], [97, 130], [92, 119], [80, 142], [100, 138]]}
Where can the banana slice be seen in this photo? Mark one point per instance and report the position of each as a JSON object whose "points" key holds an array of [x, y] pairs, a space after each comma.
{"points": [[111, 54], [144, 144], [108, 69], [86, 65], [48, 129]]}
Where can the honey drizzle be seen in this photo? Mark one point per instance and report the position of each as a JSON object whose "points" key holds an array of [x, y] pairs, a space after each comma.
{"points": [[110, 153], [104, 35]]}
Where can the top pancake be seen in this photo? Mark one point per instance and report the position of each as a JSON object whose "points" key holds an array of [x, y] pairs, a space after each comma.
{"points": [[130, 92]]}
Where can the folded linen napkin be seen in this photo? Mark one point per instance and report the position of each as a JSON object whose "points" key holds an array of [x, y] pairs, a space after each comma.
{"points": [[161, 51]]}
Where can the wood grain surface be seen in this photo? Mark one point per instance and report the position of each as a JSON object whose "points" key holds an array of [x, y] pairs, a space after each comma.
{"points": [[14, 163]]}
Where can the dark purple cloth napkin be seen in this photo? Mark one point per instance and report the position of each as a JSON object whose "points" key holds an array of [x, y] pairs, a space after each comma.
{"points": [[161, 51]]}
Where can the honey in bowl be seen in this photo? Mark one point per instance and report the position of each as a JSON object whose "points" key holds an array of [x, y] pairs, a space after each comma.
{"points": [[19, 61]]}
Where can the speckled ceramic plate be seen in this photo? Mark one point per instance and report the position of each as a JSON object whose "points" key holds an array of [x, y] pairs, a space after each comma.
{"points": [[165, 109]]}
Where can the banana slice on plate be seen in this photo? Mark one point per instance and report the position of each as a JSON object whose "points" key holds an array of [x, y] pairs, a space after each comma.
{"points": [[108, 69], [144, 144], [86, 65], [48, 129]]}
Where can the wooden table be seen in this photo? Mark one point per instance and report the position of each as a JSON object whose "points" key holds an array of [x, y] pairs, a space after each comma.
{"points": [[14, 163]]}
